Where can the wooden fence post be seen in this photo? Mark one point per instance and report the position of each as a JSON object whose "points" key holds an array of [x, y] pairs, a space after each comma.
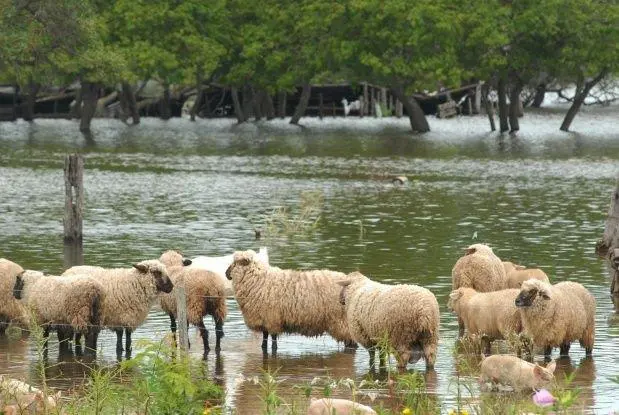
{"points": [[181, 317], [74, 198]]}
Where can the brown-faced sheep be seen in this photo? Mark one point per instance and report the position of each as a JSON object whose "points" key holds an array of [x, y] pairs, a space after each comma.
{"points": [[501, 369], [205, 292], [11, 310], [479, 269], [406, 314], [329, 406], [556, 315], [129, 296], [67, 304], [516, 274], [493, 315], [275, 300]]}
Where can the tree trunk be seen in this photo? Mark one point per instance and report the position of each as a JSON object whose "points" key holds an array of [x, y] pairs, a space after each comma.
{"points": [[488, 106], [15, 106], [28, 111], [89, 98], [247, 102], [579, 99], [164, 103], [540, 93], [303, 103], [269, 109], [256, 101], [610, 237], [417, 118], [514, 106], [501, 90], [132, 106], [281, 104], [199, 96], [76, 110], [238, 110]]}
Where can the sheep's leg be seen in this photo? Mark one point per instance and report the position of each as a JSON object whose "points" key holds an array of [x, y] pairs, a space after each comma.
{"points": [[204, 334], [372, 352], [91, 340], [127, 342], [172, 324], [64, 335], [265, 340], [460, 327], [45, 337], [273, 343], [564, 349], [486, 344], [119, 340], [402, 357], [78, 339], [547, 351], [219, 333], [429, 353], [350, 344], [3, 326]]}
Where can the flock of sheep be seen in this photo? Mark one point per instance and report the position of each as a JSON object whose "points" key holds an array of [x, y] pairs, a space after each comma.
{"points": [[492, 299]]}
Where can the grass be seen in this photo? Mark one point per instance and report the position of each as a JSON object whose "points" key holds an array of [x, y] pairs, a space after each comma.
{"points": [[303, 219]]}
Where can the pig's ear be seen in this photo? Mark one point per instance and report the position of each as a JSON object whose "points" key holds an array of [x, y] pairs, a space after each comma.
{"points": [[538, 371], [551, 366]]}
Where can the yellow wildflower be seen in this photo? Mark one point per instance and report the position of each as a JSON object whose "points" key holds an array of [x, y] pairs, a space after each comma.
{"points": [[407, 411]]}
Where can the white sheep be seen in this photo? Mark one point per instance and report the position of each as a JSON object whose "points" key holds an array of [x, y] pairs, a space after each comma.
{"points": [[11, 310], [406, 314], [219, 265], [512, 371], [129, 296], [330, 406], [479, 269], [493, 315], [275, 300], [66, 304], [205, 294], [556, 315], [516, 274], [82, 270]]}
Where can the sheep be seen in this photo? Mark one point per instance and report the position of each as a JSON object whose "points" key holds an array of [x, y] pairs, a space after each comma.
{"points": [[329, 406], [502, 369], [407, 314], [556, 315], [129, 295], [275, 301], [493, 315], [516, 274], [205, 294], [11, 310], [219, 265], [67, 304], [82, 270], [479, 269]]}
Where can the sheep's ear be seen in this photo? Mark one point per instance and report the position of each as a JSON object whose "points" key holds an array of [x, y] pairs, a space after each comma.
{"points": [[469, 251], [454, 295], [141, 267], [520, 267], [344, 283], [551, 366], [243, 262], [544, 294]]}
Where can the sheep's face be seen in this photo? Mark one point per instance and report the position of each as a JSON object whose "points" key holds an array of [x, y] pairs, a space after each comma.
{"points": [[158, 272], [174, 257], [454, 297], [242, 259], [529, 291]]}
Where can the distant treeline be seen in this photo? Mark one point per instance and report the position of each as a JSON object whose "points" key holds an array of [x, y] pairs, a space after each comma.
{"points": [[259, 51]]}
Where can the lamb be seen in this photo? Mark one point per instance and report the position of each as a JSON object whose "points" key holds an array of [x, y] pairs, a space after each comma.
{"points": [[205, 294], [408, 315], [129, 295], [493, 315], [11, 310], [276, 301], [329, 406], [479, 269], [219, 265], [556, 315], [501, 369], [67, 304], [516, 274]]}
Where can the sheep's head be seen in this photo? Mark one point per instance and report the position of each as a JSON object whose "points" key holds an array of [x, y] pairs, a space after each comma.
{"points": [[350, 278], [241, 260], [158, 270], [510, 266], [530, 290], [174, 257], [454, 297], [481, 248]]}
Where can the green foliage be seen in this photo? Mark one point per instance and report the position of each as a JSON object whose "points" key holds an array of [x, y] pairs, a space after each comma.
{"points": [[289, 222]]}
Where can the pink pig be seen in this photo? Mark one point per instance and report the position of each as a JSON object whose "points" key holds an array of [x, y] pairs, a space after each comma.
{"points": [[508, 370]]}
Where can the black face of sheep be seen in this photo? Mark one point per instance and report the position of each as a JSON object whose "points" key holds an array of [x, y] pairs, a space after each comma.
{"points": [[186, 262], [18, 287], [241, 262], [162, 282], [526, 297]]}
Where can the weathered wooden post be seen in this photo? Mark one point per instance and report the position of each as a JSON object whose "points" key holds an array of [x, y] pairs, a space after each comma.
{"points": [[74, 198], [477, 108], [181, 319], [608, 246], [366, 100], [399, 108]]}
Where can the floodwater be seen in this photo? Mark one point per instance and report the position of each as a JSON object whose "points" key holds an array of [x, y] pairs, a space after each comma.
{"points": [[539, 199]]}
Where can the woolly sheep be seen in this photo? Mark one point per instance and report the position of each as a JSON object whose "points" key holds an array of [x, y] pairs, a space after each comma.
{"points": [[205, 294], [408, 315], [556, 315], [493, 315], [129, 296], [11, 310], [507, 370], [329, 406], [516, 274], [67, 304], [479, 269], [275, 300], [82, 270], [219, 265]]}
